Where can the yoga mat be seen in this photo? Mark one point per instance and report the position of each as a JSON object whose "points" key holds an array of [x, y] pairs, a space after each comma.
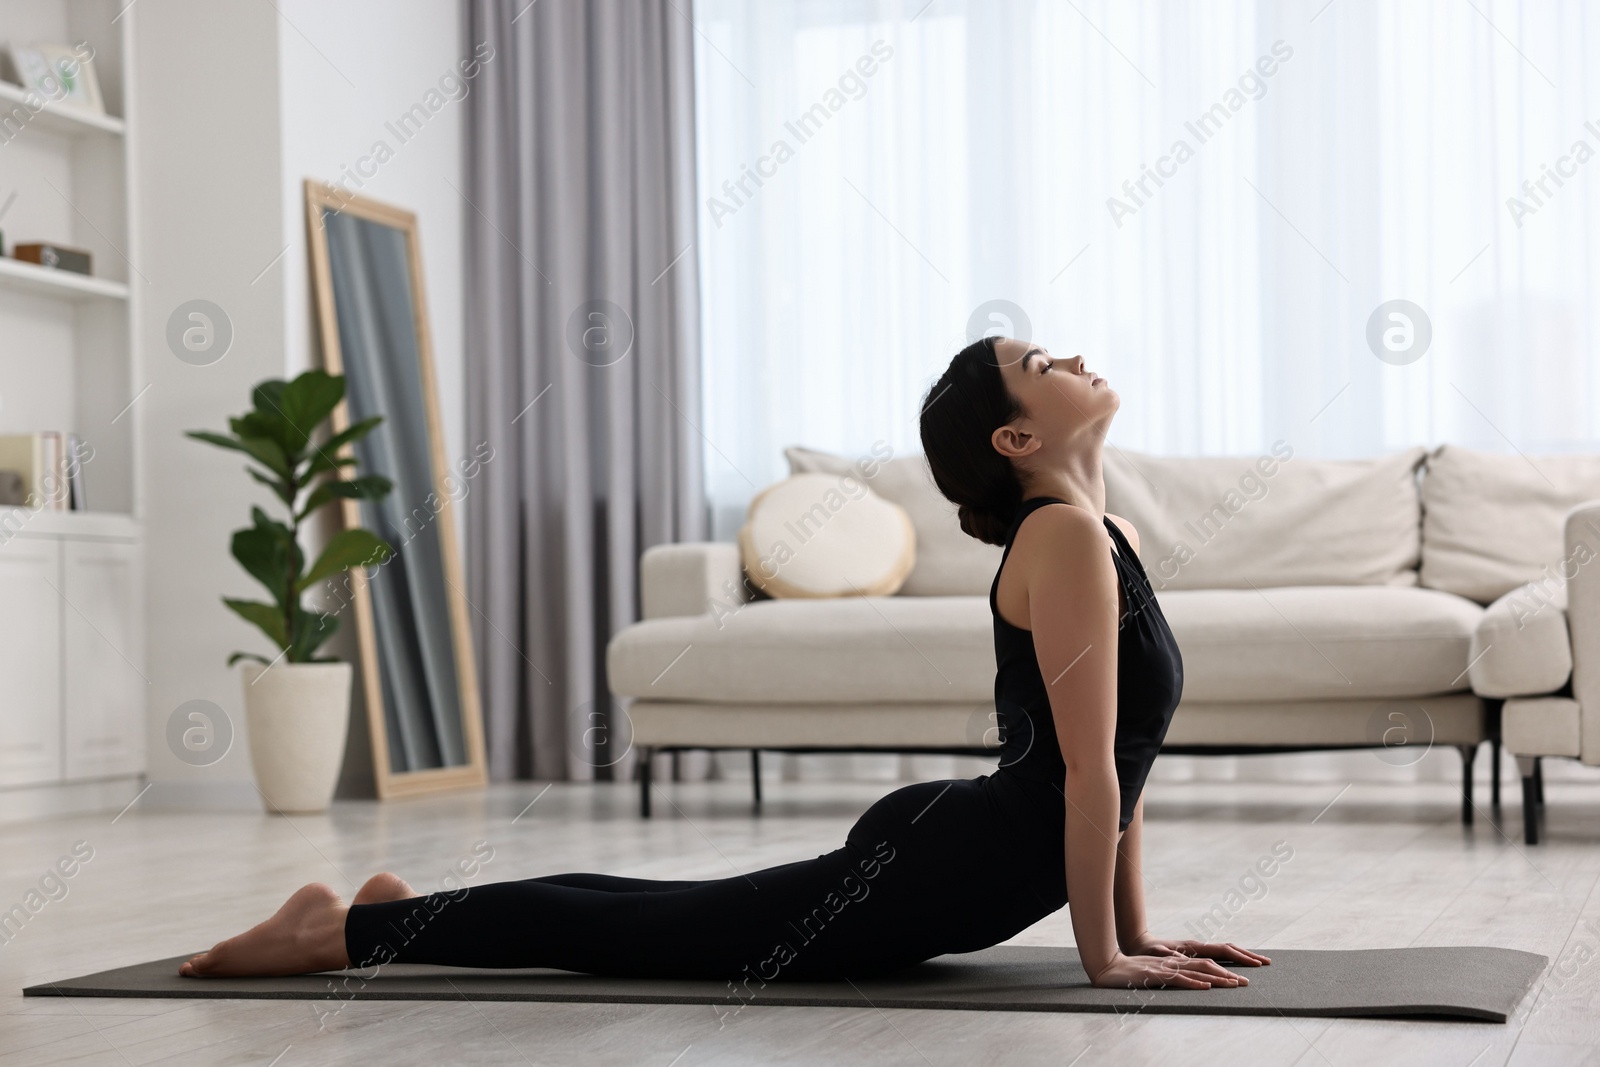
{"points": [[1454, 982]]}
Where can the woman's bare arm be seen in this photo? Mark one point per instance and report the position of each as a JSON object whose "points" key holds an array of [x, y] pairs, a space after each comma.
{"points": [[1072, 610], [1129, 886], [1073, 607]]}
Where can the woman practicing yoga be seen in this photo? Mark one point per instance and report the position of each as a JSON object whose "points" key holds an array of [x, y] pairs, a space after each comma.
{"points": [[1013, 437]]}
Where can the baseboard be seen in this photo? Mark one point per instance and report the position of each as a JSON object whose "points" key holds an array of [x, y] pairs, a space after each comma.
{"points": [[28, 803]]}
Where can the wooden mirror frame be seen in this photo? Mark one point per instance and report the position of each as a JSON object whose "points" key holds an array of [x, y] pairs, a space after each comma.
{"points": [[473, 773]]}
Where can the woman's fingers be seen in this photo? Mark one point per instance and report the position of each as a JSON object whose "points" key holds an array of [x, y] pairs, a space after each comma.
{"points": [[1201, 965], [1176, 975], [1227, 950], [1244, 955]]}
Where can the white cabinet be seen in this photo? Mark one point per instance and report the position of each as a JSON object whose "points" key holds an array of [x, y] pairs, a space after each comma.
{"points": [[72, 673], [30, 661], [103, 653]]}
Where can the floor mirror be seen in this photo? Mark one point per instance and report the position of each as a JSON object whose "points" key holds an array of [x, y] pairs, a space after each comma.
{"points": [[413, 630]]}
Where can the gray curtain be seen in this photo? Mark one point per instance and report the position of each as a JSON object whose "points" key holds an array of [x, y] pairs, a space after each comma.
{"points": [[582, 356]]}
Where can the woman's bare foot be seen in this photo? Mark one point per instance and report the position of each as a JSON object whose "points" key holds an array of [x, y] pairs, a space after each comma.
{"points": [[384, 887], [306, 935]]}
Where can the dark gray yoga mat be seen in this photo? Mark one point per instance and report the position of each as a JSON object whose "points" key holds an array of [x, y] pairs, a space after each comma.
{"points": [[1460, 982]]}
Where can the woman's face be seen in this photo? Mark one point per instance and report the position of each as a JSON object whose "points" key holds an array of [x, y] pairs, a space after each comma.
{"points": [[1059, 396]]}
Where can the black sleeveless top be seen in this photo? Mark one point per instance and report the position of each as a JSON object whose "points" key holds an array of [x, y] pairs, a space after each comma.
{"points": [[1149, 680]]}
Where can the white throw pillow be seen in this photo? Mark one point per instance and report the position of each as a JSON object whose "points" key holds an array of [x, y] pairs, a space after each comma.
{"points": [[822, 535], [949, 562], [1493, 521]]}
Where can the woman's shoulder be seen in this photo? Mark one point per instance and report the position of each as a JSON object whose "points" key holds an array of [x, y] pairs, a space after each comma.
{"points": [[1128, 530], [1058, 549], [1060, 534], [1070, 521]]}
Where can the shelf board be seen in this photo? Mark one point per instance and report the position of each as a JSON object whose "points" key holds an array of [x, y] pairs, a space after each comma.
{"points": [[31, 522], [71, 121], [22, 276]]}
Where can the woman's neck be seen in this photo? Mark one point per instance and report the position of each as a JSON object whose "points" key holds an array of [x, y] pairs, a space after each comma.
{"points": [[1079, 481]]}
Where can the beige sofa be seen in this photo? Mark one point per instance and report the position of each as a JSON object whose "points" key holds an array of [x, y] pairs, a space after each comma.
{"points": [[1417, 599]]}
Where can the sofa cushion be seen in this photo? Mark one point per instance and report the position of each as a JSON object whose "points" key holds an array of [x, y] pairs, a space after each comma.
{"points": [[822, 535], [767, 725], [1232, 522], [836, 651], [1521, 646], [1347, 642], [949, 563], [1317, 642], [1492, 522]]}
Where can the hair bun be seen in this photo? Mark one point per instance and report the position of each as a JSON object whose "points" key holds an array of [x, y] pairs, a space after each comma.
{"points": [[986, 524]]}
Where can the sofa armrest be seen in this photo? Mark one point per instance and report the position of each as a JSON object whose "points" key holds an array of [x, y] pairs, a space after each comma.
{"points": [[691, 578], [1522, 646], [1581, 567]]}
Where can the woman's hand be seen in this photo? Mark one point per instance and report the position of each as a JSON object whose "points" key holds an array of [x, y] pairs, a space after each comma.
{"points": [[1147, 944], [1175, 970]]}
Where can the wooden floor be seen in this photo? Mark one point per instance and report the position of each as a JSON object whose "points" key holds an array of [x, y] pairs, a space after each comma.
{"points": [[1371, 866]]}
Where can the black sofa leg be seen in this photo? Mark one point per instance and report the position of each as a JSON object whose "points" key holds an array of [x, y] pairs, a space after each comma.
{"points": [[1538, 782], [755, 776], [1494, 773], [644, 781], [1469, 755], [1528, 768]]}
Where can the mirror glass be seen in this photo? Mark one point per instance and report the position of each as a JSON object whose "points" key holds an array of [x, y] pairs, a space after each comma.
{"points": [[414, 633]]}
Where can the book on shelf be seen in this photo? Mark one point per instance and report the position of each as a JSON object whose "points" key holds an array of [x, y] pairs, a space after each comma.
{"points": [[51, 473]]}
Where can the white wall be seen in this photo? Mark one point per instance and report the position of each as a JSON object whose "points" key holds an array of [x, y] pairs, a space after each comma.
{"points": [[207, 167], [345, 75], [236, 104]]}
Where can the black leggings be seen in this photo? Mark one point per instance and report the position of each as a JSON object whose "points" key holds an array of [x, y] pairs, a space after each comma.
{"points": [[931, 868]]}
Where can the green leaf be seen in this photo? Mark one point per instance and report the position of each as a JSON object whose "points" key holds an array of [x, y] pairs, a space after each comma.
{"points": [[217, 439], [346, 549], [268, 395], [277, 485], [261, 518], [311, 630], [323, 463], [310, 398], [268, 617], [237, 656], [269, 453], [327, 454], [366, 487], [272, 427], [268, 555]]}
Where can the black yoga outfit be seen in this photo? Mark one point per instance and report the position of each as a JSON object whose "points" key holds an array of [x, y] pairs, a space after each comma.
{"points": [[945, 866]]}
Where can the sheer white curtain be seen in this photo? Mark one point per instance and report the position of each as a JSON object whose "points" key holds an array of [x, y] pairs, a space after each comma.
{"points": [[1208, 200]]}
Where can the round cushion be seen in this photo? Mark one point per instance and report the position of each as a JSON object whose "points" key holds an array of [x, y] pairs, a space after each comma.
{"points": [[826, 535]]}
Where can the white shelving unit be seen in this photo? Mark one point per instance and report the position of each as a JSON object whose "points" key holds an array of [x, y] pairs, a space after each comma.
{"points": [[23, 277], [72, 673], [73, 122]]}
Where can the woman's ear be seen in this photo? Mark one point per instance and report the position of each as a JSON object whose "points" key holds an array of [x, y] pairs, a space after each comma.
{"points": [[1012, 442]]}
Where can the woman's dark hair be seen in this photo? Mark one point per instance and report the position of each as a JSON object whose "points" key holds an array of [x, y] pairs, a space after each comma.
{"points": [[960, 413]]}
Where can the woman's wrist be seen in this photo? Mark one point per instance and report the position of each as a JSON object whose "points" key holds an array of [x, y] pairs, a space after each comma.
{"points": [[1131, 945], [1097, 967]]}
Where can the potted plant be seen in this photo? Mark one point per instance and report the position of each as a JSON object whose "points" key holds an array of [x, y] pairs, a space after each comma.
{"points": [[297, 703]]}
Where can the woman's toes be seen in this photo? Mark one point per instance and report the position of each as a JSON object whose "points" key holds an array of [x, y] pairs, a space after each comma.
{"points": [[197, 966], [384, 887]]}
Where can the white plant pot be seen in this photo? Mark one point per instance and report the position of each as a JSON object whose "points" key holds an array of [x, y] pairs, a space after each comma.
{"points": [[297, 715]]}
